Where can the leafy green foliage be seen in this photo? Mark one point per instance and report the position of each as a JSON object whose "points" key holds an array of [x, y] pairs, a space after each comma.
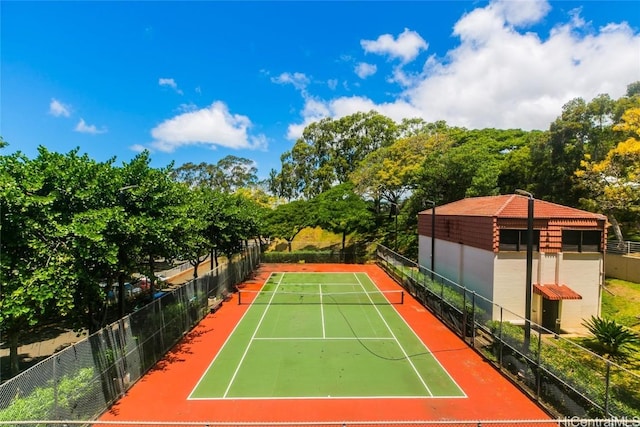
{"points": [[612, 336], [341, 211], [229, 174], [287, 220], [46, 403], [328, 152]]}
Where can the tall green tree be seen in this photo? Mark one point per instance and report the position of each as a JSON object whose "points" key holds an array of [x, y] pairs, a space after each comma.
{"points": [[612, 185], [194, 243], [467, 163], [342, 211], [229, 174], [389, 172], [153, 202], [287, 220], [24, 223], [328, 152], [69, 252]]}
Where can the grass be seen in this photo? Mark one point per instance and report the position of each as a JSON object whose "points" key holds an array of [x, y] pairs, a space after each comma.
{"points": [[621, 303]]}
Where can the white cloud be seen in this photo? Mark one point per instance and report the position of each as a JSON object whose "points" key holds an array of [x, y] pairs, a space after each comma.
{"points": [[298, 80], [212, 126], [170, 83], [138, 148], [58, 109], [332, 83], [83, 127], [364, 70], [406, 47], [499, 75]]}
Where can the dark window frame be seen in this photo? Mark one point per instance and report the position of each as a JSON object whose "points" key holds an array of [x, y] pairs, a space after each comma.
{"points": [[515, 240], [581, 241]]}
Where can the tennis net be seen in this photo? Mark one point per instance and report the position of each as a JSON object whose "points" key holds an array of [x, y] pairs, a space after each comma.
{"points": [[328, 298]]}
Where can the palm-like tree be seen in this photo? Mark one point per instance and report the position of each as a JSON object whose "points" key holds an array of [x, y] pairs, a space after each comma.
{"points": [[611, 335]]}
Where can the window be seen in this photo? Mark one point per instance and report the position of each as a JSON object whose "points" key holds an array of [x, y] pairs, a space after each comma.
{"points": [[516, 240], [581, 240]]}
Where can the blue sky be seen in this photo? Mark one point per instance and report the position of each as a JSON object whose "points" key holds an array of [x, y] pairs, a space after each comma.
{"points": [[196, 81]]}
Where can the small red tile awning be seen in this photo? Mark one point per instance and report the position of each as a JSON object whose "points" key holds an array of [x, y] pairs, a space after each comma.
{"points": [[555, 292]]}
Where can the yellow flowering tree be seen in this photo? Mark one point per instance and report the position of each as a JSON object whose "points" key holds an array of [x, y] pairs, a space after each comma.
{"points": [[613, 184]]}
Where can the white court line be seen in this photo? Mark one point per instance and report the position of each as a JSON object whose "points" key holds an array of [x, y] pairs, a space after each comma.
{"points": [[352, 338], [429, 350], [398, 342], [204, 374], [330, 398], [246, 350], [311, 338], [313, 284], [324, 332]]}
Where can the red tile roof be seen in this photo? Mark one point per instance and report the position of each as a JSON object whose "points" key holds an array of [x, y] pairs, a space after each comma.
{"points": [[555, 292], [511, 206]]}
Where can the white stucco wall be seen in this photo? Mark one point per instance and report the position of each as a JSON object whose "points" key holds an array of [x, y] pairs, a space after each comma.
{"points": [[510, 283], [501, 277], [582, 272], [424, 251]]}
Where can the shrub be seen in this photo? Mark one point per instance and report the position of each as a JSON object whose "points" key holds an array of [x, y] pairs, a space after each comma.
{"points": [[41, 403], [611, 336]]}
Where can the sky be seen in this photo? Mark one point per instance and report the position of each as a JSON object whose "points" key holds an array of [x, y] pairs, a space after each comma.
{"points": [[198, 81]]}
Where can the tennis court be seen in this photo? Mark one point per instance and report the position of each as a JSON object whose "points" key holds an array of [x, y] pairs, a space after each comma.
{"points": [[323, 335], [290, 382]]}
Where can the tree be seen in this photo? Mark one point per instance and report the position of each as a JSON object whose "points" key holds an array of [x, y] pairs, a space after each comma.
{"points": [[612, 186], [390, 171], [328, 152], [612, 336], [194, 243], [237, 173], [153, 202], [35, 271], [287, 220], [341, 211], [600, 112], [229, 174], [467, 163], [559, 156]]}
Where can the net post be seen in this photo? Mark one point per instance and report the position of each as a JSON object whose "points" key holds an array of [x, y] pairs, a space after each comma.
{"points": [[239, 297], [401, 297]]}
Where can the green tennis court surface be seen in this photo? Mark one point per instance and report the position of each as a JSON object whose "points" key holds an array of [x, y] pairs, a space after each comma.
{"points": [[323, 335]]}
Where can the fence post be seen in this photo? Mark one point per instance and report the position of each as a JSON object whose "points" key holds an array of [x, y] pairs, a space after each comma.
{"points": [[500, 346], [473, 319], [55, 387], [464, 314], [538, 368], [442, 299], [606, 388]]}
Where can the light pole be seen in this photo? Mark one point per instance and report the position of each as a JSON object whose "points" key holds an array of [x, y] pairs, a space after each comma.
{"points": [[527, 307], [433, 236], [395, 235]]}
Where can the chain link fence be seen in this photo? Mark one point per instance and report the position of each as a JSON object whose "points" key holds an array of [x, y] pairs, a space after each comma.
{"points": [[564, 377], [565, 422], [317, 252], [83, 380]]}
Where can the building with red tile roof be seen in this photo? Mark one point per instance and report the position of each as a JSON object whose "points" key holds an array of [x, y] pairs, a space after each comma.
{"points": [[481, 244]]}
